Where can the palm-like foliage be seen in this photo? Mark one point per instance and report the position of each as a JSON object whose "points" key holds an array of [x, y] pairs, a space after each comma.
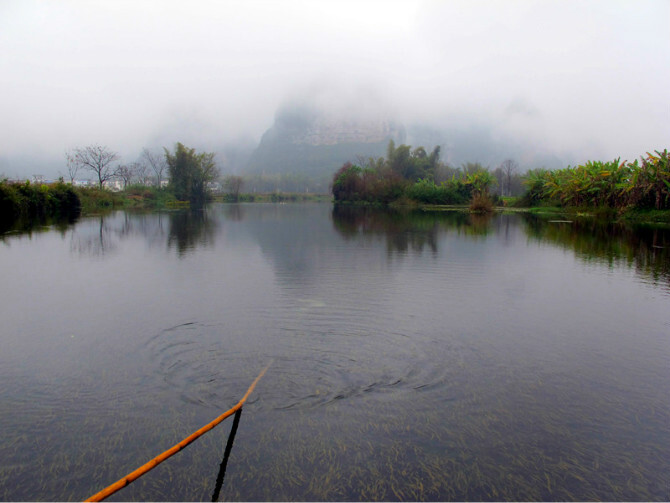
{"points": [[612, 184], [650, 182], [480, 181]]}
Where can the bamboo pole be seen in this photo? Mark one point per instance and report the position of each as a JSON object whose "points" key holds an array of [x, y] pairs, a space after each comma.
{"points": [[123, 482]]}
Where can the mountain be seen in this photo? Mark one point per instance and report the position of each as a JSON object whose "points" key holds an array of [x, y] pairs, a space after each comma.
{"points": [[304, 140]]}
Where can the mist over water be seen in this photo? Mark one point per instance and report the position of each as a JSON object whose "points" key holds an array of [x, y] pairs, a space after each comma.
{"points": [[424, 356]]}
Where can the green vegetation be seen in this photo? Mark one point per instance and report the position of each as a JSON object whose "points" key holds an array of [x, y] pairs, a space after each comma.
{"points": [[190, 174], [142, 196], [37, 201], [633, 191], [603, 187], [410, 175], [95, 199]]}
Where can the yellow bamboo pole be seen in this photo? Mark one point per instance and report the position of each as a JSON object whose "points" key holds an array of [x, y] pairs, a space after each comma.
{"points": [[123, 482]]}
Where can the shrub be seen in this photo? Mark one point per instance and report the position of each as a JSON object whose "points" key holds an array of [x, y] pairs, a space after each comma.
{"points": [[481, 203], [37, 201]]}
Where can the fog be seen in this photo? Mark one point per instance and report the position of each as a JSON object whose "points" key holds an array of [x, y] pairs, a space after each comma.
{"points": [[580, 79]]}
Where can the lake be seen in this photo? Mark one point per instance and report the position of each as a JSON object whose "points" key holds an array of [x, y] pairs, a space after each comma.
{"points": [[414, 356]]}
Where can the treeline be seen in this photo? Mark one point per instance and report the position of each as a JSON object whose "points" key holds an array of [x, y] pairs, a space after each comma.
{"points": [[191, 174], [191, 179], [418, 176], [414, 174], [26, 200], [618, 185]]}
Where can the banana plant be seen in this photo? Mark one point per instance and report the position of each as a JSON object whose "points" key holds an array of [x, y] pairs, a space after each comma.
{"points": [[480, 181]]}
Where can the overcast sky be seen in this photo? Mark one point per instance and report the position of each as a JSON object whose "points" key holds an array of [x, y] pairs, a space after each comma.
{"points": [[589, 78]]}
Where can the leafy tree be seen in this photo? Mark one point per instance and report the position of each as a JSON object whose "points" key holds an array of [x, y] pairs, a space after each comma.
{"points": [[347, 183], [190, 173], [412, 165], [434, 158], [469, 168]]}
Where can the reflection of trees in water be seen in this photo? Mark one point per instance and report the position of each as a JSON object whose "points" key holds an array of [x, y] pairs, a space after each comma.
{"points": [[234, 212], [406, 230], [190, 229], [93, 237], [645, 248], [26, 226], [99, 236]]}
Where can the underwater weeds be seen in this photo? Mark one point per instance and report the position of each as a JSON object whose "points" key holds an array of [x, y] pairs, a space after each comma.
{"points": [[123, 482]]}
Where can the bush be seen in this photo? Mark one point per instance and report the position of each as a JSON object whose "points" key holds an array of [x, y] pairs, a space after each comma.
{"points": [[36, 202], [10, 203], [481, 203], [450, 192]]}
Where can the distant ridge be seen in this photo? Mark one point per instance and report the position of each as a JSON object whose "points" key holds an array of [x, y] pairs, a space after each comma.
{"points": [[308, 141]]}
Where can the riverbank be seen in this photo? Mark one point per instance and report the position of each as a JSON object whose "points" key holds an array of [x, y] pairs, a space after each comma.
{"points": [[630, 216], [56, 202]]}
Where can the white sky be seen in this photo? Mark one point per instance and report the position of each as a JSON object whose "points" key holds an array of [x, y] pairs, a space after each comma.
{"points": [[586, 77]]}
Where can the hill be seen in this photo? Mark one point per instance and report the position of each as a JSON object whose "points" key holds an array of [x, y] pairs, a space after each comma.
{"points": [[309, 142]]}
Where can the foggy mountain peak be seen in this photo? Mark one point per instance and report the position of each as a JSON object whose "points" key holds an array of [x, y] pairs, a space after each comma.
{"points": [[310, 126]]}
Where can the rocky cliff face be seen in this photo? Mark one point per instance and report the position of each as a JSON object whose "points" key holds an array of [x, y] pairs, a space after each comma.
{"points": [[324, 131], [310, 142]]}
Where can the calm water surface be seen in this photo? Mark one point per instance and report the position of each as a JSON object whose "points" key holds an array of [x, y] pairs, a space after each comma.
{"points": [[429, 356]]}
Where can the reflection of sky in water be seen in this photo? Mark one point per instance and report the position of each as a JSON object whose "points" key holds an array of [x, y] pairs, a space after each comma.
{"points": [[474, 358]]}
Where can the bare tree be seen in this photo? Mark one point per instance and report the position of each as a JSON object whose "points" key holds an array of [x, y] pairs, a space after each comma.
{"points": [[72, 165], [508, 168], [98, 159], [125, 172], [141, 171], [233, 185], [157, 162]]}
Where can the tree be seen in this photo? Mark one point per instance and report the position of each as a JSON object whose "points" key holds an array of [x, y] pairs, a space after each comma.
{"points": [[233, 185], [125, 172], [140, 171], [347, 183], [508, 168], [469, 168], [72, 166], [97, 159], [190, 173], [157, 163], [412, 165]]}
